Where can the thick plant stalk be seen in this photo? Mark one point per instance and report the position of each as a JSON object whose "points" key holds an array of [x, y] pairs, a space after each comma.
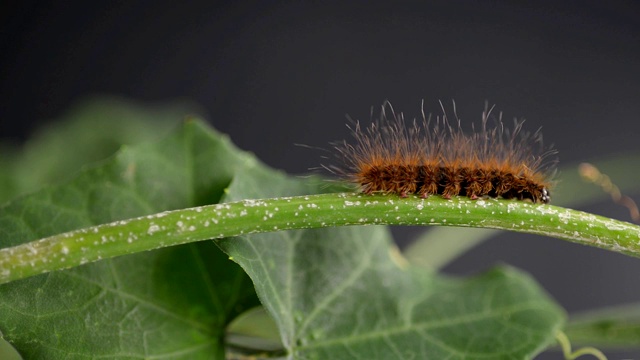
{"points": [[304, 212]]}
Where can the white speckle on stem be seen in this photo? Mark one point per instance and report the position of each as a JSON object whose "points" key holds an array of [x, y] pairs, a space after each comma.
{"points": [[152, 229]]}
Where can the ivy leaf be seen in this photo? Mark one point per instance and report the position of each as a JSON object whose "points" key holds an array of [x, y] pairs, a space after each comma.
{"points": [[173, 302], [347, 293]]}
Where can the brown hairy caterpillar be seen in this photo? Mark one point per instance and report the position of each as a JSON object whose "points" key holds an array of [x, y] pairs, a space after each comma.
{"points": [[428, 157]]}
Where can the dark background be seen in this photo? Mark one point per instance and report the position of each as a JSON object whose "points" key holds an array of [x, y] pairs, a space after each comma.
{"points": [[272, 75]]}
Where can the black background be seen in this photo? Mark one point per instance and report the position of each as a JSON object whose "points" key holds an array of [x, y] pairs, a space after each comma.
{"points": [[272, 74]]}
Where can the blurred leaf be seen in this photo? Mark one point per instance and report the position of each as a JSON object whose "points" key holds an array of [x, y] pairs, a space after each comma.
{"points": [[8, 352], [254, 330], [93, 130]]}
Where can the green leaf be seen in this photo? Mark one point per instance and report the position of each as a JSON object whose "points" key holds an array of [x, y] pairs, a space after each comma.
{"points": [[173, 302], [351, 298], [97, 127], [254, 330], [346, 292]]}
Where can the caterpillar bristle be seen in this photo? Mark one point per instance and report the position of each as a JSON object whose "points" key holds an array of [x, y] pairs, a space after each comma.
{"points": [[429, 157]]}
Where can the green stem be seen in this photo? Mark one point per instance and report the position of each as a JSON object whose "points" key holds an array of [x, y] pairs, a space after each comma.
{"points": [[304, 212], [614, 327]]}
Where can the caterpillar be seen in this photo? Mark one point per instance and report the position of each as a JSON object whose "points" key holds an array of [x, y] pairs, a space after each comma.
{"points": [[435, 157]]}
